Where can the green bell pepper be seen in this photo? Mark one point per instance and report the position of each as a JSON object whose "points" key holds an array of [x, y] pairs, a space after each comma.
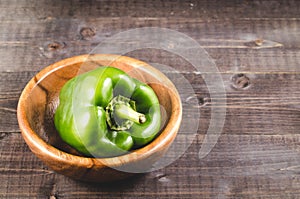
{"points": [[105, 113]]}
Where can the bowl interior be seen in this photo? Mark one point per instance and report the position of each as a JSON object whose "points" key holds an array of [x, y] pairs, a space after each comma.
{"points": [[42, 100]]}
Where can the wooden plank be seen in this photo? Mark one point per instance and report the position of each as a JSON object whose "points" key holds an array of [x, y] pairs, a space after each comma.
{"points": [[226, 60], [247, 166], [122, 8], [231, 51]]}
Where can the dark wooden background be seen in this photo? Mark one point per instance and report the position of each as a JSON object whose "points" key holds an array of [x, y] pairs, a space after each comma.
{"points": [[256, 47]]}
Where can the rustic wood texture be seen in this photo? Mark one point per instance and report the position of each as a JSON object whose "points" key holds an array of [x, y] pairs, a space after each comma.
{"points": [[255, 45]]}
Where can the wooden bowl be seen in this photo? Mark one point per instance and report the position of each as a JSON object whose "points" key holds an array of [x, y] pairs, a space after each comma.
{"points": [[39, 101]]}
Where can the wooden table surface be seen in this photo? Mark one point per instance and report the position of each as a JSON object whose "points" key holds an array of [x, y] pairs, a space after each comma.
{"points": [[256, 48]]}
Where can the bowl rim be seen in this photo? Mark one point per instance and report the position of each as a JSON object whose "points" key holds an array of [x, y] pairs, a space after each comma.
{"points": [[38, 145]]}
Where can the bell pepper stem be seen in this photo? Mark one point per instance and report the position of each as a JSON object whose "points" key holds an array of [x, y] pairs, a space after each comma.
{"points": [[121, 113], [125, 112]]}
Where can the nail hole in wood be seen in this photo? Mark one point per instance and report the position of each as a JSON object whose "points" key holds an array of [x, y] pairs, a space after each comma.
{"points": [[55, 46], [87, 33], [240, 81], [3, 135], [201, 101], [254, 43], [258, 42]]}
